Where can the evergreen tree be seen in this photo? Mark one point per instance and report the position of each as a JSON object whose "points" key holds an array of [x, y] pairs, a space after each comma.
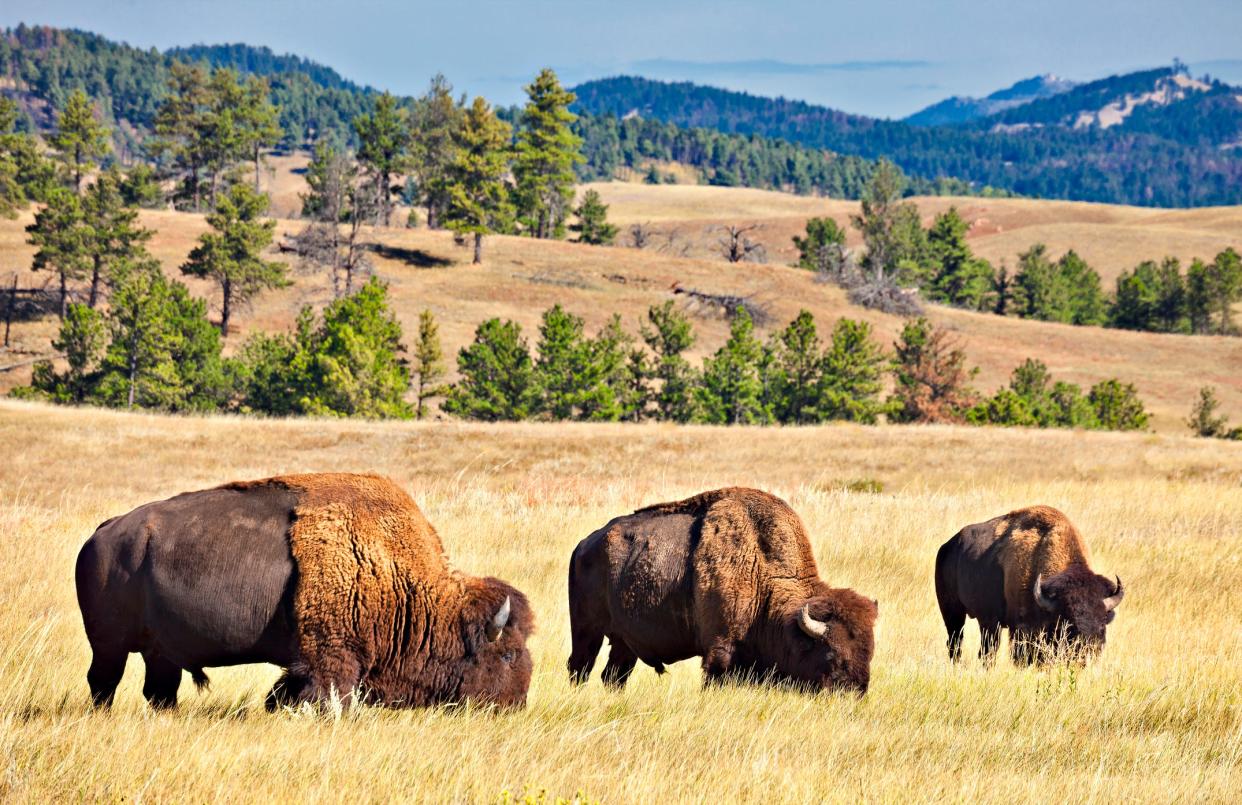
{"points": [[437, 120], [669, 336], [1137, 298], [593, 226], [1041, 292], [1225, 288], [81, 340], [496, 375], [561, 363], [878, 221], [730, 390], [798, 367], [139, 187], [959, 278], [428, 364], [180, 124], [139, 369], [1169, 311], [607, 384], [823, 248], [257, 122], [547, 151], [80, 139], [853, 375], [232, 254], [1117, 405], [931, 376], [60, 238], [12, 192], [111, 232], [1086, 301], [478, 194], [1002, 291], [1203, 420], [1198, 297], [384, 149]]}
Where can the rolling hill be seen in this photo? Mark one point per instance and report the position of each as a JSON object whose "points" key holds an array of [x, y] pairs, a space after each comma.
{"points": [[522, 277], [960, 109]]}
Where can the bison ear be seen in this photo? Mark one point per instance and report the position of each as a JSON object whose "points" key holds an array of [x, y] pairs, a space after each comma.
{"points": [[496, 626]]}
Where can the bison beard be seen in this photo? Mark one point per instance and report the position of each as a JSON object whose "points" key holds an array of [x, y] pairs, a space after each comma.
{"points": [[338, 578], [727, 576]]}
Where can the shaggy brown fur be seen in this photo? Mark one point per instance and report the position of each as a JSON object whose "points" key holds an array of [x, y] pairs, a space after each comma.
{"points": [[988, 571], [337, 578], [723, 575]]}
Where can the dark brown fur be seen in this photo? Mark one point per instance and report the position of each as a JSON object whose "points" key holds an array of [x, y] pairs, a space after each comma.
{"points": [[337, 578], [987, 571], [723, 576]]}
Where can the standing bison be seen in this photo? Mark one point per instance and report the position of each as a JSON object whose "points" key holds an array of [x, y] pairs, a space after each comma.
{"points": [[1029, 572], [727, 576], [337, 578]]}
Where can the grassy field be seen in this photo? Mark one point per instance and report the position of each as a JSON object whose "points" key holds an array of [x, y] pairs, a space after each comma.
{"points": [[521, 277], [1157, 718]]}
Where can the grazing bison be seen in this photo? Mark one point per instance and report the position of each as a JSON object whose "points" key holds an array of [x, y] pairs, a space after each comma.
{"points": [[337, 578], [1029, 572], [727, 576]]}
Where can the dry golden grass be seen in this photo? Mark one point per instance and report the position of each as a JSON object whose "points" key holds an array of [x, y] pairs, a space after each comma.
{"points": [[1157, 718], [522, 277]]}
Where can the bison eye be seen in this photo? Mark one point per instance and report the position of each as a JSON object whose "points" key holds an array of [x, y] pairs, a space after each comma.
{"points": [[508, 656]]}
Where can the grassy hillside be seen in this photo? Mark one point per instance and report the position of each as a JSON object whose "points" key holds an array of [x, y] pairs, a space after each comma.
{"points": [[521, 277], [1155, 719]]}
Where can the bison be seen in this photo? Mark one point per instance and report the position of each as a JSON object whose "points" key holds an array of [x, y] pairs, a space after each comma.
{"points": [[727, 576], [1027, 571], [339, 579]]}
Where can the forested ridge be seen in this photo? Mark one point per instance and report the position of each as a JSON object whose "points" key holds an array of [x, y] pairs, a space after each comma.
{"points": [[1173, 155]]}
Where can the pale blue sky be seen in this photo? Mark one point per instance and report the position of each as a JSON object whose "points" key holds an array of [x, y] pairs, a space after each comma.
{"points": [[879, 57]]}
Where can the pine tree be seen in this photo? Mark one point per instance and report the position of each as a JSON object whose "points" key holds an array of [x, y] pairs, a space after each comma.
{"points": [[1203, 420], [931, 376], [959, 277], [81, 340], [1117, 405], [1225, 288], [547, 151], [12, 192], [180, 124], [111, 231], [478, 194], [1086, 301], [139, 187], [852, 375], [606, 382], [139, 369], [561, 363], [1169, 311], [81, 139], [669, 336], [593, 226], [60, 238], [436, 121], [730, 390], [798, 369], [232, 253], [496, 375], [1002, 291], [823, 248], [428, 364], [257, 122], [1041, 292], [1198, 297], [384, 136]]}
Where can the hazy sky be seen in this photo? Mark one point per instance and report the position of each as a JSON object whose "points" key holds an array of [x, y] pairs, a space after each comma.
{"points": [[877, 57]]}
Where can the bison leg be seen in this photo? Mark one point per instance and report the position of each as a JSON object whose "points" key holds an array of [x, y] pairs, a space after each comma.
{"points": [[107, 668], [621, 662], [161, 683], [989, 641], [954, 623], [586, 645]]}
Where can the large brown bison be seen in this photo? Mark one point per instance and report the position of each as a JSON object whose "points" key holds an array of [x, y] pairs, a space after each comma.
{"points": [[339, 579], [1028, 572], [727, 576]]}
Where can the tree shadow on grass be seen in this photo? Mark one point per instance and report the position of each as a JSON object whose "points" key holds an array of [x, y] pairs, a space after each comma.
{"points": [[412, 257]]}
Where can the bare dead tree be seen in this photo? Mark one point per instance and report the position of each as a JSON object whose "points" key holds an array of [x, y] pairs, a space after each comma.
{"points": [[840, 267], [335, 239], [641, 236], [737, 246], [728, 305], [675, 243]]}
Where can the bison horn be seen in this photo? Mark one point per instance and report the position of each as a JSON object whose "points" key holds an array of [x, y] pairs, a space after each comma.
{"points": [[1044, 601], [1113, 600], [812, 627], [499, 621]]}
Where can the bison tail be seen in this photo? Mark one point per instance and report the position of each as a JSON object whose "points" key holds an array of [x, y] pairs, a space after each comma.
{"points": [[200, 679]]}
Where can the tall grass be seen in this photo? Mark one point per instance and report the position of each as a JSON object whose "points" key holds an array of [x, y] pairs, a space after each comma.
{"points": [[1157, 718]]}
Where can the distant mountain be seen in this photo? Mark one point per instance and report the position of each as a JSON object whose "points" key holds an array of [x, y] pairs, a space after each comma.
{"points": [[1155, 138], [961, 109], [263, 61]]}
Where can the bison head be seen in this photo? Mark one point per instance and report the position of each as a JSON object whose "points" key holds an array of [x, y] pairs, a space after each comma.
{"points": [[1082, 604], [831, 639], [496, 622]]}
